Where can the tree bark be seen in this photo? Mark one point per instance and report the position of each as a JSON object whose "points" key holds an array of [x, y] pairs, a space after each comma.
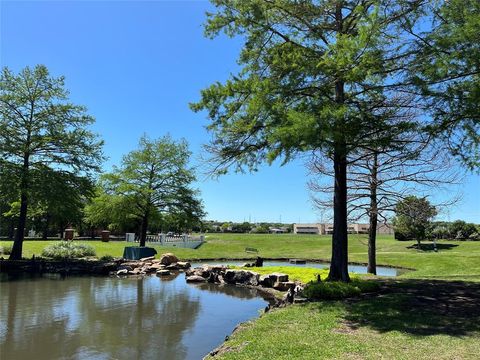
{"points": [[372, 232], [339, 263], [17, 247], [143, 233]]}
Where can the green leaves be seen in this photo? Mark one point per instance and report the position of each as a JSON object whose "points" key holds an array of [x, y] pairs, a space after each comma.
{"points": [[151, 180]]}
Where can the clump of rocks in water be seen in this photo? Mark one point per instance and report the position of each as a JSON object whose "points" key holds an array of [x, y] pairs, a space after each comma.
{"points": [[221, 274], [161, 267]]}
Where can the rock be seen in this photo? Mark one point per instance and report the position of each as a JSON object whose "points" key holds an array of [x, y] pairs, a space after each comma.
{"points": [[279, 277], [163, 272], [155, 261], [195, 278], [168, 258], [248, 265], [122, 272], [259, 262], [284, 286], [149, 258], [270, 279], [173, 266], [241, 277], [183, 264], [157, 266], [132, 264], [125, 267], [148, 269], [299, 300], [135, 271]]}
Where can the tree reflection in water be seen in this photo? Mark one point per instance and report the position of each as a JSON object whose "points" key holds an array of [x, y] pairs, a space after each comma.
{"points": [[130, 318]]}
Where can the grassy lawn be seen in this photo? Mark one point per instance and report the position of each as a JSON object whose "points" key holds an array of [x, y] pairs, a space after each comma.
{"points": [[423, 314], [388, 327], [455, 260]]}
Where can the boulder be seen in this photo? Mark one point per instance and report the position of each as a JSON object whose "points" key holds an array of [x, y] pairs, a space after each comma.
{"points": [[122, 272], [270, 279], [149, 258], [183, 264], [168, 258], [163, 272], [245, 277], [148, 269], [157, 266], [284, 285], [132, 264], [173, 266], [195, 278]]}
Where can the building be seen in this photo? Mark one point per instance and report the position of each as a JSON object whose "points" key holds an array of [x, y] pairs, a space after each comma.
{"points": [[325, 229]]}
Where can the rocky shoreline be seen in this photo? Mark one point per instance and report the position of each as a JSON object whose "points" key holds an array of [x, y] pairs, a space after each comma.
{"points": [[275, 286]]}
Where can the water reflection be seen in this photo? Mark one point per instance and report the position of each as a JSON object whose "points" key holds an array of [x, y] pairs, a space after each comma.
{"points": [[130, 318]]}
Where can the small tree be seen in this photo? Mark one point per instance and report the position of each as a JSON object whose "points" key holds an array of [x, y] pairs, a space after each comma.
{"points": [[413, 217], [155, 178], [40, 129]]}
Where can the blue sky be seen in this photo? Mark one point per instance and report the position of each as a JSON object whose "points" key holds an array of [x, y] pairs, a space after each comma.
{"points": [[136, 65]]}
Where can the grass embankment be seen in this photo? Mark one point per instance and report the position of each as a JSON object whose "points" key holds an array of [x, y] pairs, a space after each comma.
{"points": [[455, 260]]}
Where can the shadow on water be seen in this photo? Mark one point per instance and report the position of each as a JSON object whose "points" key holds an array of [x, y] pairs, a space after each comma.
{"points": [[419, 308]]}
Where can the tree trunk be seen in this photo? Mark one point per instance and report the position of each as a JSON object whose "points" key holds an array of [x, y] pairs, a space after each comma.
{"points": [[339, 263], [143, 233], [372, 232], [45, 227], [16, 253]]}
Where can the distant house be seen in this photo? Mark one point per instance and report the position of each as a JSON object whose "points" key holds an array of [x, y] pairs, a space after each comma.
{"points": [[278, 230], [325, 229]]}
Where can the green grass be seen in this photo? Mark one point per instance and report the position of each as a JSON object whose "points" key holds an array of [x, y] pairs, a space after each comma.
{"points": [[455, 260], [414, 319], [344, 330], [301, 274]]}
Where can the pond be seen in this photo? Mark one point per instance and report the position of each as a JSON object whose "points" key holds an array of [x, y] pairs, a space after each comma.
{"points": [[359, 269], [118, 318]]}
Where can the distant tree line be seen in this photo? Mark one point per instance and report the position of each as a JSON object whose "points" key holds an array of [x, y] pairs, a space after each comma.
{"points": [[245, 227]]}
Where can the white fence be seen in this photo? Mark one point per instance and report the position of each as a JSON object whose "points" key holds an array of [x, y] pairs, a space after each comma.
{"points": [[184, 241]]}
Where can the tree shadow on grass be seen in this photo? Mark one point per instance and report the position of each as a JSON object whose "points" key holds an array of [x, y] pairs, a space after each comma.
{"points": [[419, 308], [431, 247]]}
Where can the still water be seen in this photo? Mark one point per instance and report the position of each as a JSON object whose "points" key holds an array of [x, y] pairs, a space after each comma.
{"points": [[113, 318]]}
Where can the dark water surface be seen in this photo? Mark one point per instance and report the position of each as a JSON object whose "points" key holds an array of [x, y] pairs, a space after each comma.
{"points": [[112, 318]]}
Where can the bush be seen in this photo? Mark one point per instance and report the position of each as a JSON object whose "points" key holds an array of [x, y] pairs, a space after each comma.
{"points": [[68, 250], [6, 249], [106, 258], [338, 290]]}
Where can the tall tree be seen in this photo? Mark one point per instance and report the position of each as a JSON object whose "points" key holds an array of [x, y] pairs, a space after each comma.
{"points": [[40, 128], [313, 74], [155, 178], [379, 178], [447, 76]]}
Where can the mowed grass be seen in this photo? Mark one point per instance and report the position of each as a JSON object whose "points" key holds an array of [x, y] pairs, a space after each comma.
{"points": [[416, 316], [455, 260], [352, 330]]}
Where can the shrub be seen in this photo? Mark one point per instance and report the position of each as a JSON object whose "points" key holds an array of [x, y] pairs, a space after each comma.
{"points": [[106, 258], [6, 249], [68, 250], [338, 290]]}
